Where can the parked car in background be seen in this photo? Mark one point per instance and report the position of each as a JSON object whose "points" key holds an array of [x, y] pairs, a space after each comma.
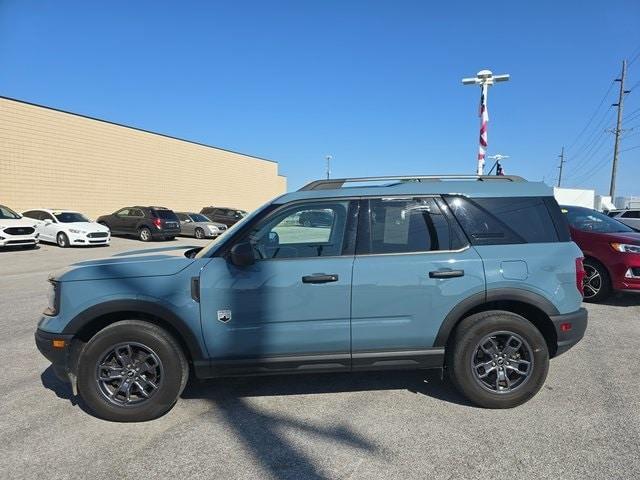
{"points": [[227, 216], [316, 218], [67, 227], [15, 230], [611, 250], [199, 226], [475, 273], [630, 217], [145, 223]]}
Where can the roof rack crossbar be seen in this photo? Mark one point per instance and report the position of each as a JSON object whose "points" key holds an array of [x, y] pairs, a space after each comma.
{"points": [[334, 183]]}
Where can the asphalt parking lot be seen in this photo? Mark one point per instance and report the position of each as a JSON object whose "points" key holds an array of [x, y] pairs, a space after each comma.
{"points": [[585, 422]]}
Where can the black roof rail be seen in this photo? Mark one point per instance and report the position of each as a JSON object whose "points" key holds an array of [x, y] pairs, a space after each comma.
{"points": [[334, 183]]}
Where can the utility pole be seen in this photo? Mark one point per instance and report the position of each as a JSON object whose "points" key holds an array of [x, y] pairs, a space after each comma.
{"points": [[484, 78], [618, 131], [560, 167], [328, 158]]}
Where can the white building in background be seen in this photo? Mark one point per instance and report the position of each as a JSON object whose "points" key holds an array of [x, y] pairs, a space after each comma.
{"points": [[575, 196], [623, 203]]}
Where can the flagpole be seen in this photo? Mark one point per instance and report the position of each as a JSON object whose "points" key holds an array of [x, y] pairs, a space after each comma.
{"points": [[484, 78]]}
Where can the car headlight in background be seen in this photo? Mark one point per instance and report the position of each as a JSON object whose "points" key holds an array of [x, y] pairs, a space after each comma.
{"points": [[625, 248], [53, 308], [73, 230], [213, 228]]}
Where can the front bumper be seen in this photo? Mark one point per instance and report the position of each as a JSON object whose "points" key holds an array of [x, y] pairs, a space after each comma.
{"points": [[60, 357], [7, 240], [625, 272], [570, 328]]}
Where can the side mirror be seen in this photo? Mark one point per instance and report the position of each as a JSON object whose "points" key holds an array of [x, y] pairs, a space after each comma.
{"points": [[47, 221], [242, 254]]}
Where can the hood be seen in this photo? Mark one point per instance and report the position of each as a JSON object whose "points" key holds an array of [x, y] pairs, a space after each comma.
{"points": [[149, 263], [621, 237], [215, 224], [17, 222], [87, 226]]}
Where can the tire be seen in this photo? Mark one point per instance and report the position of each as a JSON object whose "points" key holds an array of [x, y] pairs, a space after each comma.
{"points": [[166, 368], [597, 282], [500, 327], [144, 234], [199, 233], [170, 238], [307, 223], [62, 240]]}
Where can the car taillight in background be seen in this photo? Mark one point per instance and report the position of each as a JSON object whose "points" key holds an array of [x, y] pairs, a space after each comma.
{"points": [[580, 274], [157, 222]]}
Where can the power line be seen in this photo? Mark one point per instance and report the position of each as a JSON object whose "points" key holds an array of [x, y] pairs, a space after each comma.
{"points": [[604, 97]]}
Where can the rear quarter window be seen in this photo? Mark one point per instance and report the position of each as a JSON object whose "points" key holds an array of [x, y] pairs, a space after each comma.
{"points": [[166, 215], [507, 220]]}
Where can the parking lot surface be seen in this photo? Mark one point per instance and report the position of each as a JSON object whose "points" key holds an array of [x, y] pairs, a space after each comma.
{"points": [[584, 423]]}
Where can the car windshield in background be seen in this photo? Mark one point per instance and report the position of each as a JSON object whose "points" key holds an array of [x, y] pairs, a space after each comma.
{"points": [[166, 214], [587, 220], [196, 217], [70, 217], [8, 214]]}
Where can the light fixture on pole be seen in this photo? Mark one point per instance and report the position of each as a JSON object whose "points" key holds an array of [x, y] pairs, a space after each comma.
{"points": [[498, 158], [485, 79], [328, 158]]}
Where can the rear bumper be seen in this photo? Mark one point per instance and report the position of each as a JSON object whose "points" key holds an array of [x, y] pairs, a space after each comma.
{"points": [[570, 328]]}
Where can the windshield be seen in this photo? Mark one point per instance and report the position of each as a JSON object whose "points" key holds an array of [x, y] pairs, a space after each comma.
{"points": [[7, 214], [70, 217], [196, 217], [588, 220]]}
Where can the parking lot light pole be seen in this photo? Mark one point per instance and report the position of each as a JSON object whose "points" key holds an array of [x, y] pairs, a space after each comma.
{"points": [[484, 78]]}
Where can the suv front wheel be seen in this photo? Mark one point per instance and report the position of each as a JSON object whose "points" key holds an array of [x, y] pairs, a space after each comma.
{"points": [[498, 359], [131, 371]]}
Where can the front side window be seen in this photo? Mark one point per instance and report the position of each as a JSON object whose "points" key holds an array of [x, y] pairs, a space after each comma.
{"points": [[122, 213], [70, 217], [588, 220], [196, 217], [7, 214], [283, 235], [631, 214], [406, 226]]}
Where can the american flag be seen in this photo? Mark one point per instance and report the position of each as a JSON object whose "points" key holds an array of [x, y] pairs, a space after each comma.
{"points": [[484, 119]]}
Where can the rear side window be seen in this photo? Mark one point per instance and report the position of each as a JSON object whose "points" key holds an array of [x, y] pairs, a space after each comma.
{"points": [[407, 226], [631, 214], [504, 220], [165, 215]]}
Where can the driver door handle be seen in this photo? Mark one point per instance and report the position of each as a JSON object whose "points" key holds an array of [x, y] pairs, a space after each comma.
{"points": [[320, 278]]}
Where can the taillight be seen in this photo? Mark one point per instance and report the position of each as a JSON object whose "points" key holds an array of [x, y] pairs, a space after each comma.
{"points": [[580, 274], [157, 222]]}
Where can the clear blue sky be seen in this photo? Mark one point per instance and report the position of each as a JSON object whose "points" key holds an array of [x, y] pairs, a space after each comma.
{"points": [[374, 83]]}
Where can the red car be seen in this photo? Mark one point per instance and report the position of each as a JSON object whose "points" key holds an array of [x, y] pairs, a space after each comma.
{"points": [[611, 252]]}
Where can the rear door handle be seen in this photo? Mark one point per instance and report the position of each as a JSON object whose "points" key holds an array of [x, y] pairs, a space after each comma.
{"points": [[446, 273], [319, 278]]}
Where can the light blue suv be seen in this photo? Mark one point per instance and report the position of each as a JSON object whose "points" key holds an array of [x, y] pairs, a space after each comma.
{"points": [[474, 275]]}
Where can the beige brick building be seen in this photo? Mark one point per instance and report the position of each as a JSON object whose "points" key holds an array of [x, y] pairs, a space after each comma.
{"points": [[55, 159]]}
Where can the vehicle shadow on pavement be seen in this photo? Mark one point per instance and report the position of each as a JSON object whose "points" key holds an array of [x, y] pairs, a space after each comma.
{"points": [[622, 300], [62, 389]]}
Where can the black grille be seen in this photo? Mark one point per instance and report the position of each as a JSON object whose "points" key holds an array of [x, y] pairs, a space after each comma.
{"points": [[19, 230], [98, 234]]}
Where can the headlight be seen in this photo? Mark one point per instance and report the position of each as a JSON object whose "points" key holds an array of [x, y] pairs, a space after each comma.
{"points": [[54, 298], [213, 228], [73, 230], [625, 248]]}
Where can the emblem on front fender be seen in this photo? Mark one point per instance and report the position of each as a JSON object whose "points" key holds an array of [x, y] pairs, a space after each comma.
{"points": [[224, 315]]}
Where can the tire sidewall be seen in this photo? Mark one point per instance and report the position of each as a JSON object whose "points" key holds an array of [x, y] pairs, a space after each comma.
{"points": [[141, 235], [605, 289], [65, 240], [131, 331], [199, 233], [467, 337]]}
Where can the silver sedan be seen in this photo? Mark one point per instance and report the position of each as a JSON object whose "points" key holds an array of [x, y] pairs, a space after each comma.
{"points": [[198, 226]]}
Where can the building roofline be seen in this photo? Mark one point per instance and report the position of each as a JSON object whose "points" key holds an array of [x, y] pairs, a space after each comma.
{"points": [[4, 97]]}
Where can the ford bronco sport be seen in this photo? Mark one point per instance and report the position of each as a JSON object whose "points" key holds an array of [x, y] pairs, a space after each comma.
{"points": [[474, 275]]}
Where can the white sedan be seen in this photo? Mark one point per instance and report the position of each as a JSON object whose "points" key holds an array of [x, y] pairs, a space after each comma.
{"points": [[66, 227]]}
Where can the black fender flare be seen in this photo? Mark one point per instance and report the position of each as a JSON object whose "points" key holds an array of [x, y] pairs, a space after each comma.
{"points": [[140, 306], [493, 295]]}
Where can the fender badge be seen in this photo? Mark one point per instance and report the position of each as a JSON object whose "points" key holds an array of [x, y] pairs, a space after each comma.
{"points": [[224, 315]]}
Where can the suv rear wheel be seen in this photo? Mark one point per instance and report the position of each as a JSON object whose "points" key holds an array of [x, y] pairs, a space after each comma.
{"points": [[131, 371], [144, 234], [498, 359]]}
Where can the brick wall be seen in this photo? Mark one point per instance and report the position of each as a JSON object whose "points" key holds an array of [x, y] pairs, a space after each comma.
{"points": [[53, 159]]}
